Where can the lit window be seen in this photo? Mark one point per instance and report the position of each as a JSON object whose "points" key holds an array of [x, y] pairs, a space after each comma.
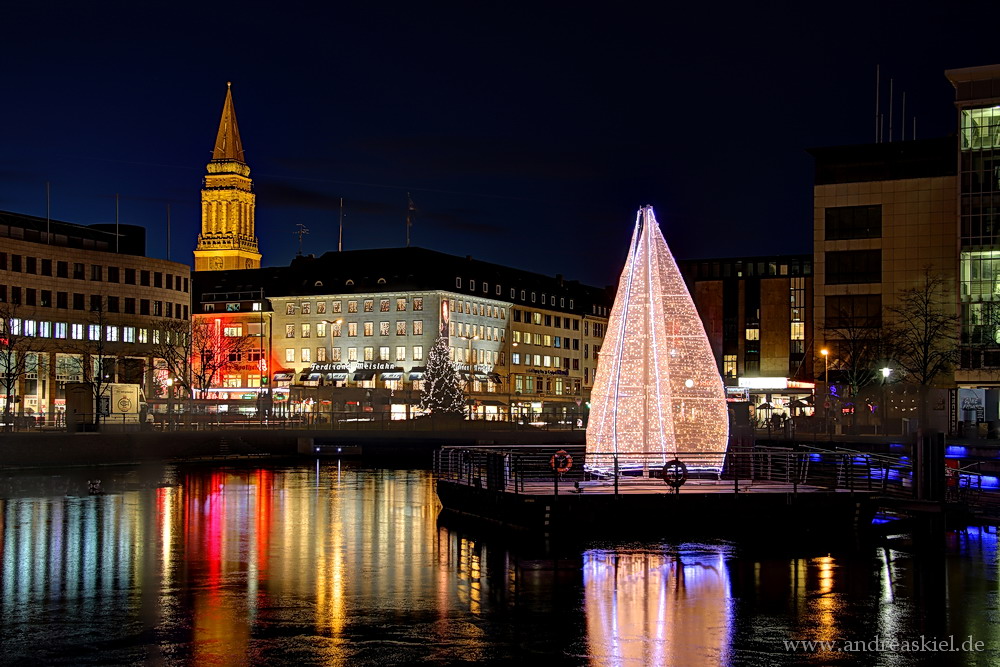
{"points": [[400, 328], [337, 305], [290, 354], [321, 307], [335, 354], [232, 332], [383, 353], [335, 329], [369, 354], [76, 331], [418, 352], [320, 354], [352, 329], [383, 328], [256, 306], [369, 328], [289, 331], [306, 354], [290, 309], [352, 354], [143, 335], [352, 306], [60, 330], [418, 327], [400, 353], [306, 308], [369, 305], [94, 332], [418, 303], [383, 306], [128, 334], [306, 330]]}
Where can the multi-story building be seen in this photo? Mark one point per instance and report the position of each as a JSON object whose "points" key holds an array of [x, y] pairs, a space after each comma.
{"points": [[757, 313], [523, 343], [81, 300]]}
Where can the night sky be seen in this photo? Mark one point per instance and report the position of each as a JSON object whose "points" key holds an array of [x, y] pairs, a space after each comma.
{"points": [[528, 135]]}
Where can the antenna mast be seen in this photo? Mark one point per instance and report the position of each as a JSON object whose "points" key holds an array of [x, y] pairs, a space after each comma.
{"points": [[300, 232]]}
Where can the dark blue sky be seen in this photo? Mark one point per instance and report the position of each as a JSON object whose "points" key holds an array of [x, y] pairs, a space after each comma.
{"points": [[527, 134]]}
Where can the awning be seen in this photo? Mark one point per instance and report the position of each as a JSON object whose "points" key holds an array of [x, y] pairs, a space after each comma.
{"points": [[336, 377], [314, 376], [416, 375], [391, 376], [495, 378], [283, 376], [490, 401], [482, 377], [304, 377], [363, 375]]}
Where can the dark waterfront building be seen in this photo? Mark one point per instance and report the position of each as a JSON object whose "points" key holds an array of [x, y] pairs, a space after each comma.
{"points": [[524, 343], [757, 312]]}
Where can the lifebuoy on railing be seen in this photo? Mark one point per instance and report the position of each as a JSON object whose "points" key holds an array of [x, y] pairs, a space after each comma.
{"points": [[675, 473], [561, 461]]}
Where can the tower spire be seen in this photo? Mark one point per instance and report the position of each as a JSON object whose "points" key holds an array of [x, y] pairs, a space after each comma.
{"points": [[228, 145], [227, 239]]}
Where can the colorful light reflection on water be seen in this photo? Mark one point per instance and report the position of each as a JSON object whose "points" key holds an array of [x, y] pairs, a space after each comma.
{"points": [[333, 565]]}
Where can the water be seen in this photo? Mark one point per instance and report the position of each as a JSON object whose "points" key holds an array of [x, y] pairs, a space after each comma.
{"points": [[331, 564]]}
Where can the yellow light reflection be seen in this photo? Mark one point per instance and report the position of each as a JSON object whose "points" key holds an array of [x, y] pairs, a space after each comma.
{"points": [[657, 609]]}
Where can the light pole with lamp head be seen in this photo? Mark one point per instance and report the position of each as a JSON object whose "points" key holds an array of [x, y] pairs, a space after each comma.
{"points": [[468, 382], [886, 372], [826, 380], [329, 357]]}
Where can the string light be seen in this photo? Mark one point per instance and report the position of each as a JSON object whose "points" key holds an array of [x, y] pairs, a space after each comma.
{"points": [[657, 388]]}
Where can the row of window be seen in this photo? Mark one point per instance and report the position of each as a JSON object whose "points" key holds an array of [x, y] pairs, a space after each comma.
{"points": [[545, 299], [557, 386], [306, 307], [544, 361], [29, 296], [542, 319], [93, 332], [78, 271], [480, 309], [546, 340], [747, 268], [368, 328], [305, 354]]}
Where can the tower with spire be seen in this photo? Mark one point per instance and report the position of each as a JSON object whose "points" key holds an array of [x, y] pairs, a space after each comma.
{"points": [[227, 239]]}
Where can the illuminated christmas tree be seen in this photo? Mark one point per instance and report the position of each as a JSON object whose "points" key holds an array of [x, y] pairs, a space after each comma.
{"points": [[657, 388], [441, 393]]}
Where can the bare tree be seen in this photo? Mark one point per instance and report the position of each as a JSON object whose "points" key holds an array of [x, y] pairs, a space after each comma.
{"points": [[923, 333], [858, 346], [16, 358], [198, 353]]}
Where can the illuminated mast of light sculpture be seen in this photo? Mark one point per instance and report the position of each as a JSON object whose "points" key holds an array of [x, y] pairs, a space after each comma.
{"points": [[657, 388]]}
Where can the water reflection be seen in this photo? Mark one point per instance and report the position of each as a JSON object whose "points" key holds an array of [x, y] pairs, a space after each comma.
{"points": [[335, 565], [653, 608]]}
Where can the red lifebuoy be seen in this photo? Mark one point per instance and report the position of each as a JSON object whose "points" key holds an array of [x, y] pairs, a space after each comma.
{"points": [[561, 461]]}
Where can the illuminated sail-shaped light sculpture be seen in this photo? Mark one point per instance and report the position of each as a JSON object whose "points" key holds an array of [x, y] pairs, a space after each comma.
{"points": [[658, 390]]}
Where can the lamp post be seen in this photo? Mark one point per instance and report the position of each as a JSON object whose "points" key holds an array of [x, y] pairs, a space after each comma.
{"points": [[826, 381], [468, 359], [510, 379], [170, 401], [329, 359], [886, 371]]}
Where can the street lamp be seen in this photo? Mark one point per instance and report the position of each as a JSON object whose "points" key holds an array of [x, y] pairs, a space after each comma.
{"points": [[468, 359], [826, 380], [170, 400], [886, 371], [510, 378]]}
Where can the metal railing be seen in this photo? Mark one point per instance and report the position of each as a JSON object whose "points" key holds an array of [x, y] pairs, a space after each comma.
{"points": [[530, 469]]}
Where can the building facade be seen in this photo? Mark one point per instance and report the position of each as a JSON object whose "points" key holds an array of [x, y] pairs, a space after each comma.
{"points": [[757, 313], [362, 323], [83, 300], [884, 216]]}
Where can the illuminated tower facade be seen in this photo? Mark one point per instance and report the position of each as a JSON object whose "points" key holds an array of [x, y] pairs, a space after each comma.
{"points": [[227, 239], [658, 389]]}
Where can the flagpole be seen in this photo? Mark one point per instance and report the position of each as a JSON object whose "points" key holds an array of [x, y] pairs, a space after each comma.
{"points": [[409, 219]]}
